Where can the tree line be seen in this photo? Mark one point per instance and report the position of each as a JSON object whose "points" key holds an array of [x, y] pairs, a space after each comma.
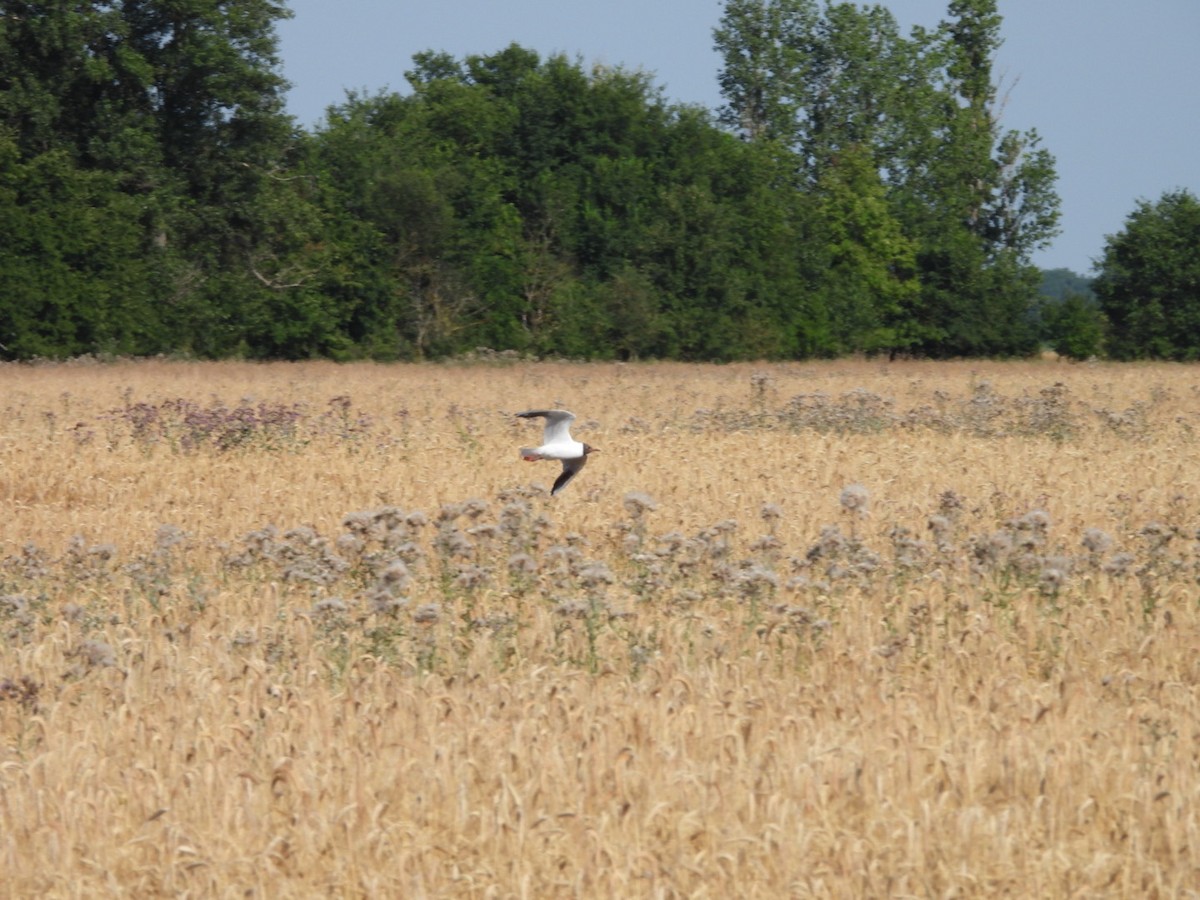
{"points": [[854, 193]]}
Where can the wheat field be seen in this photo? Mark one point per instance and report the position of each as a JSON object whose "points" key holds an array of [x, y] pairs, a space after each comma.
{"points": [[840, 629]]}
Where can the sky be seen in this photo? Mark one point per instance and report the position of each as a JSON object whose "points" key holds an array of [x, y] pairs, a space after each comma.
{"points": [[1114, 91]]}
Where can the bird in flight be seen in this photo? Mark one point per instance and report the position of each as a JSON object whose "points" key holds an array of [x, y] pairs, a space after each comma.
{"points": [[557, 443]]}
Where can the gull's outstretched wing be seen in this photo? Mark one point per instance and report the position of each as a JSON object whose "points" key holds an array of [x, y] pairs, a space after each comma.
{"points": [[571, 468], [558, 423]]}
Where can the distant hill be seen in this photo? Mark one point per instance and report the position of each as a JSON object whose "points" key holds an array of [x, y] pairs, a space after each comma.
{"points": [[1058, 284]]}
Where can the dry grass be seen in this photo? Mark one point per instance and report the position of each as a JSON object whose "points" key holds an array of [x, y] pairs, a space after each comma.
{"points": [[303, 630]]}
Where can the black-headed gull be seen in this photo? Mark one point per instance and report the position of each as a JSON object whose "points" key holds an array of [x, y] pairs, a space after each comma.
{"points": [[557, 443]]}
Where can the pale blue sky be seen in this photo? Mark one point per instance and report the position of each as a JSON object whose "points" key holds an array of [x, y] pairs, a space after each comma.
{"points": [[1113, 86]]}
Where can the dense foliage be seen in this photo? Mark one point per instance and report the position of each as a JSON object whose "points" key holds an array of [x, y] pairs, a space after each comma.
{"points": [[1149, 281], [855, 194], [142, 146], [1069, 318]]}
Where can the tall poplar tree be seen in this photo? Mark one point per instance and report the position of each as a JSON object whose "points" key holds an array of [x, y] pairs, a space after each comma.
{"points": [[970, 201], [764, 65], [824, 85], [984, 202]]}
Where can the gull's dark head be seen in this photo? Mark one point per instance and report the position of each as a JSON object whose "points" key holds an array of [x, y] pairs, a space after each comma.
{"points": [[588, 448]]}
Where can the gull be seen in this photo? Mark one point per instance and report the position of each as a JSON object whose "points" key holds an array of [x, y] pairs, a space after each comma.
{"points": [[557, 443]]}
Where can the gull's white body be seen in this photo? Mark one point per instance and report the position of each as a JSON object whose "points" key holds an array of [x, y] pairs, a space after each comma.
{"points": [[558, 444]]}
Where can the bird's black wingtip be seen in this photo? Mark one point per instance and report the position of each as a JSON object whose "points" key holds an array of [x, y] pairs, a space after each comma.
{"points": [[561, 482]]}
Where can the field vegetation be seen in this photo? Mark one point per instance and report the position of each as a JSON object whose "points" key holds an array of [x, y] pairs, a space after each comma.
{"points": [[813, 630]]}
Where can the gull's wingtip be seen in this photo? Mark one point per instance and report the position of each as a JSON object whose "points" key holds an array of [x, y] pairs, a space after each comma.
{"points": [[551, 414]]}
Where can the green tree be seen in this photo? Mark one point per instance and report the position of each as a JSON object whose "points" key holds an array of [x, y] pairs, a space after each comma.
{"points": [[977, 200], [764, 65], [1149, 281], [387, 198], [1074, 326], [59, 64], [868, 285], [1068, 316], [172, 112], [604, 222], [73, 276], [948, 209], [215, 98]]}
